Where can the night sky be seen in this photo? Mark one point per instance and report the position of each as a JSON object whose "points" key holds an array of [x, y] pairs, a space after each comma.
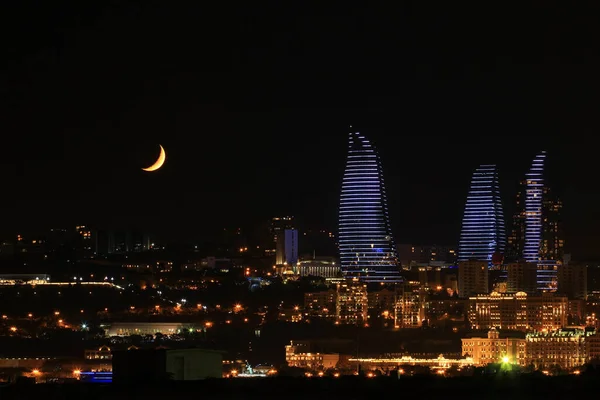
{"points": [[253, 107]]}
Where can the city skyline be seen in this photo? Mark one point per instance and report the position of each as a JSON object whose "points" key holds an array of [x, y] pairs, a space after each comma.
{"points": [[249, 138]]}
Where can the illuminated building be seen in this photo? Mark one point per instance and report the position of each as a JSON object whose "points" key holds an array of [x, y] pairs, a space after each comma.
{"points": [[149, 328], [518, 311], [352, 302], [320, 300], [565, 347], [409, 311], [102, 353], [494, 349], [472, 278], [537, 234], [440, 363], [287, 248], [533, 209], [482, 234], [299, 355], [321, 267], [367, 247]]}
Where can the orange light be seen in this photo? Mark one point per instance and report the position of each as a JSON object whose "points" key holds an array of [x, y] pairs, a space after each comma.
{"points": [[30, 315], [13, 328], [77, 372], [208, 324], [35, 372]]}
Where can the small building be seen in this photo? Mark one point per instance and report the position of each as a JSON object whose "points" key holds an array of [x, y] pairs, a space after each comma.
{"points": [[149, 328], [144, 365], [494, 349]]}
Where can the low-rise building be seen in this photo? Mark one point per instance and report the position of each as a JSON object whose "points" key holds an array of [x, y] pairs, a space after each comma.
{"points": [[493, 349], [566, 348]]}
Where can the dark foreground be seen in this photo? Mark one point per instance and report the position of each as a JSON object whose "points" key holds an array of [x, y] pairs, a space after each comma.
{"points": [[488, 387]]}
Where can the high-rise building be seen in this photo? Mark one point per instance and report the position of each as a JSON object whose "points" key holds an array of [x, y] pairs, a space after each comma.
{"points": [[536, 233], [278, 226], [536, 225], [287, 248], [367, 247], [533, 209], [482, 234]]}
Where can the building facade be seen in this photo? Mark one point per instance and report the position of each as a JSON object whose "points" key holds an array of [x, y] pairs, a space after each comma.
{"points": [[493, 349], [518, 311], [287, 248], [483, 233], [565, 348], [367, 247], [472, 278], [352, 302]]}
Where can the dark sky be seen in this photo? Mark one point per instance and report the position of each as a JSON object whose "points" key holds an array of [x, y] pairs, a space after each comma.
{"points": [[253, 107]]}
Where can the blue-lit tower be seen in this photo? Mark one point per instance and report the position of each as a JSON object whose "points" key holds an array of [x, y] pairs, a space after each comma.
{"points": [[534, 192], [367, 247], [483, 232]]}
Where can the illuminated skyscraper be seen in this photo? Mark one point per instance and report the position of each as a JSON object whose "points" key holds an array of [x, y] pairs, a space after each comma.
{"points": [[483, 232], [533, 209], [537, 234], [367, 247]]}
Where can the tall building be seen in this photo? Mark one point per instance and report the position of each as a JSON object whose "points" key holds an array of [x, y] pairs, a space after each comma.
{"points": [[552, 245], [533, 209], [482, 234], [280, 224], [287, 248], [536, 234], [536, 225], [367, 247]]}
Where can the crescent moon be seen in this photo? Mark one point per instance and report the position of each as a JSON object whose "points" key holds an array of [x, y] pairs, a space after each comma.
{"points": [[159, 163]]}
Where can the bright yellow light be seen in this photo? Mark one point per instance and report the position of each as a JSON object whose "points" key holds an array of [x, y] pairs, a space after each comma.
{"points": [[336, 375], [505, 359], [13, 328], [77, 372], [370, 375], [35, 372], [159, 163]]}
